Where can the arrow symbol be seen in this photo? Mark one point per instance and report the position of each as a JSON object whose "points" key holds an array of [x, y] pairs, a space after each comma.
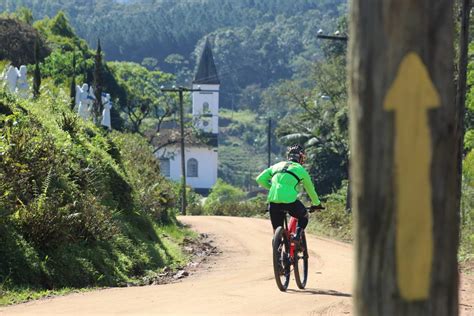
{"points": [[411, 96]]}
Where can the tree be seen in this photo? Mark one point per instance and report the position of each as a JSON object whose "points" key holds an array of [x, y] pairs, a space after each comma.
{"points": [[72, 88], [25, 15], [37, 73], [144, 99], [404, 149], [98, 83], [60, 25], [320, 123]]}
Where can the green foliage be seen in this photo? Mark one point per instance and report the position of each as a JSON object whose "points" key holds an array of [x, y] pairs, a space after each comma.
{"points": [[25, 15], [143, 98], [243, 147], [60, 26], [154, 195], [466, 249], [333, 222], [37, 73], [255, 42], [321, 124], [228, 200], [98, 83], [223, 192], [79, 207]]}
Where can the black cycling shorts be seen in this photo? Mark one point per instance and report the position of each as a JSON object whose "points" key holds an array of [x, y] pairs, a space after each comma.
{"points": [[295, 209]]}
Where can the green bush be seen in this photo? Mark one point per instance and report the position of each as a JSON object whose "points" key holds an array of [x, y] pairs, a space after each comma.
{"points": [[78, 206], [334, 221], [228, 200], [194, 203], [466, 249], [153, 193]]}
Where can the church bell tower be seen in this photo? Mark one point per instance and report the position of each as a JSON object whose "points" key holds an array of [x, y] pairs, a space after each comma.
{"points": [[206, 101]]}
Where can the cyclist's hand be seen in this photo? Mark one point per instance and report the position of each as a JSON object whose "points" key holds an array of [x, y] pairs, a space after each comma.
{"points": [[318, 208]]}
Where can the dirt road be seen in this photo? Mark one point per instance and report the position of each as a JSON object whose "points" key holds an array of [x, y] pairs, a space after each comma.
{"points": [[239, 281]]}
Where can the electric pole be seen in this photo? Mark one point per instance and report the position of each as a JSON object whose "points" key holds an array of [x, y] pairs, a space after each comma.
{"points": [[180, 90], [340, 38], [269, 141]]}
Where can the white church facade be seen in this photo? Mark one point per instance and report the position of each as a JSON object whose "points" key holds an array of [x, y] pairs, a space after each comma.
{"points": [[201, 155]]}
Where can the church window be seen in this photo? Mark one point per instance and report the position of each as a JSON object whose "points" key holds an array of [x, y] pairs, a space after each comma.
{"points": [[165, 166], [192, 168], [205, 108]]}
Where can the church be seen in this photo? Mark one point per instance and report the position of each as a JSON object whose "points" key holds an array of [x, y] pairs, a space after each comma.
{"points": [[200, 152]]}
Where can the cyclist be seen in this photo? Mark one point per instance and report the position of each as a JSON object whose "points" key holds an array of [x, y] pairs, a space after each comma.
{"points": [[281, 180]]}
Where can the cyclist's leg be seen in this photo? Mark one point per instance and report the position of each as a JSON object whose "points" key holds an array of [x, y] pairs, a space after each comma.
{"points": [[298, 210], [276, 215]]}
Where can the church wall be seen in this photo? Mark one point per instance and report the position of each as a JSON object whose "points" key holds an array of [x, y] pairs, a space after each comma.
{"points": [[207, 165]]}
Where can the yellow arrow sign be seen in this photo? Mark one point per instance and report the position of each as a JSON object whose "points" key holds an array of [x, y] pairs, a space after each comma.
{"points": [[411, 95]]}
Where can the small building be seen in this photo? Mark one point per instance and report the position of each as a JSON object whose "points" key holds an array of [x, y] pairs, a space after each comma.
{"points": [[201, 151]]}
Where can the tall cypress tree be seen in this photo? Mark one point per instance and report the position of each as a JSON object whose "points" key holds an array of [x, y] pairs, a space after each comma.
{"points": [[98, 82], [37, 73], [72, 91]]}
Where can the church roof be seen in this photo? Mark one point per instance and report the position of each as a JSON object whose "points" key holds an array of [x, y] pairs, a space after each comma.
{"points": [[206, 72]]}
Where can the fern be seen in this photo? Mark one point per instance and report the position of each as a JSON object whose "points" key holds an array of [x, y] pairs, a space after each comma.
{"points": [[44, 190]]}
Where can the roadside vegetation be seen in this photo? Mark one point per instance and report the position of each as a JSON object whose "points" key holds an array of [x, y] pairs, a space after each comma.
{"points": [[80, 206]]}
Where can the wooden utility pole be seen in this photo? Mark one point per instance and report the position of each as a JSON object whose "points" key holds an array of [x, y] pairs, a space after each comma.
{"points": [[269, 142], [180, 91], [404, 132]]}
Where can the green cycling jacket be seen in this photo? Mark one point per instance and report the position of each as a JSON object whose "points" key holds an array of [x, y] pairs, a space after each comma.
{"points": [[281, 180]]}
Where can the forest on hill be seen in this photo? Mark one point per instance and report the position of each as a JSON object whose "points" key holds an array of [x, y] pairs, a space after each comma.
{"points": [[256, 42]]}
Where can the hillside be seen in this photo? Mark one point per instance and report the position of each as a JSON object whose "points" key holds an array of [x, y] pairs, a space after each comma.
{"points": [[80, 206]]}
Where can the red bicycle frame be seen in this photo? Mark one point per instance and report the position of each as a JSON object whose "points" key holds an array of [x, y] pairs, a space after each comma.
{"points": [[291, 229]]}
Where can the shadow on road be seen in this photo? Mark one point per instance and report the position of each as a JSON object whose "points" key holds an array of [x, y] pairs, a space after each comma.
{"points": [[319, 292]]}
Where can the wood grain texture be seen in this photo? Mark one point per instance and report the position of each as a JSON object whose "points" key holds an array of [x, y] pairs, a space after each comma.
{"points": [[382, 33]]}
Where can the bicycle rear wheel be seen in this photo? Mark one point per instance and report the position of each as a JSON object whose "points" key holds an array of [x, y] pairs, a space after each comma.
{"points": [[301, 263], [281, 259]]}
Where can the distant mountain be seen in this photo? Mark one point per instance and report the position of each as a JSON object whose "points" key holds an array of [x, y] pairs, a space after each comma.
{"points": [[256, 42]]}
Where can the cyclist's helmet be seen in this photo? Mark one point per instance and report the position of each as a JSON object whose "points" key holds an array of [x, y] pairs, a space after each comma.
{"points": [[296, 153]]}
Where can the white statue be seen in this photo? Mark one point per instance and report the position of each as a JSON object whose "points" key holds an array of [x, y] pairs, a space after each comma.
{"points": [[11, 77], [90, 100], [84, 100], [22, 83], [106, 120], [78, 97]]}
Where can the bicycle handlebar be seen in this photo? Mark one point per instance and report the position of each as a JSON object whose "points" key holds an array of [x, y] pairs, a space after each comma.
{"points": [[319, 207]]}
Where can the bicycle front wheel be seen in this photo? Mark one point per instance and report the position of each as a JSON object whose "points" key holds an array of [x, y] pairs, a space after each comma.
{"points": [[281, 259], [301, 263]]}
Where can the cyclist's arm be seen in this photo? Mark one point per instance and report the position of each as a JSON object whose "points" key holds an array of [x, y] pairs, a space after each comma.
{"points": [[264, 178], [309, 188]]}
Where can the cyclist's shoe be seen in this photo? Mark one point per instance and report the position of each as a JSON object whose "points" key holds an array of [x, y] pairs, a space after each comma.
{"points": [[297, 235], [296, 239]]}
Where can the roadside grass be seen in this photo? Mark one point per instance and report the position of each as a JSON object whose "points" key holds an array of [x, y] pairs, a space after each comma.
{"points": [[150, 256], [334, 222], [17, 296]]}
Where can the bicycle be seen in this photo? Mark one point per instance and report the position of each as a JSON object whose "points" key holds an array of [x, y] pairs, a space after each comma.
{"points": [[287, 254]]}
